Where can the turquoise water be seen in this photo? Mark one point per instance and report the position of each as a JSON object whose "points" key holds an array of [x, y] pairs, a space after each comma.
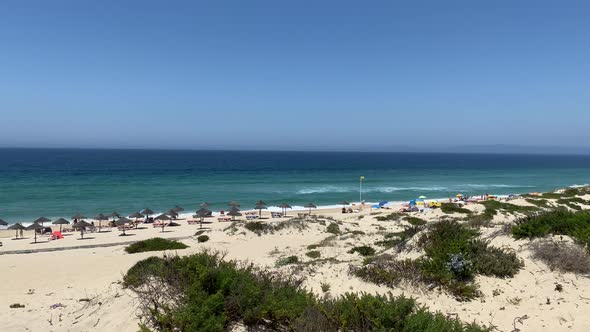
{"points": [[60, 183]]}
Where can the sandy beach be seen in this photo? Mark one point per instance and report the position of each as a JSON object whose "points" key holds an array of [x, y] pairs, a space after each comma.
{"points": [[79, 289]]}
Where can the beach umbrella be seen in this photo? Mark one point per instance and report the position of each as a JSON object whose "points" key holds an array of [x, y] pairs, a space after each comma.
{"points": [[201, 214], [204, 205], [147, 212], [163, 217], [136, 215], [42, 220], [178, 208], [114, 215], [172, 213], [310, 206], [122, 222], [82, 225], [233, 203], [100, 218], [3, 223], [234, 214], [34, 227], [285, 206], [17, 227], [422, 197], [60, 222], [78, 216], [260, 207]]}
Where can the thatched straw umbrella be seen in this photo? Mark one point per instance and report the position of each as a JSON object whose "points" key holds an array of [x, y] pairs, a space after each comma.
{"points": [[82, 225], [233, 214], [285, 206], [178, 208], [100, 218], [172, 214], [114, 215], [41, 220], [3, 223], [34, 227], [60, 222], [260, 205], [17, 227], [147, 212], [78, 216], [122, 222], [204, 205], [136, 215], [310, 206], [233, 203], [163, 217]]}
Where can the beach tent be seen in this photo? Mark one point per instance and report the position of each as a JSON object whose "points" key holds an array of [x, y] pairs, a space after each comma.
{"points": [[60, 222], [34, 227], [310, 206], [3, 223], [383, 203], [17, 227], [285, 206], [163, 217], [121, 222], [82, 225]]}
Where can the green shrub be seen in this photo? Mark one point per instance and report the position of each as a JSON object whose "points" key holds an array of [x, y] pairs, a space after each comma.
{"points": [[313, 254], [542, 203], [155, 244], [558, 222], [204, 293], [414, 221], [287, 261], [333, 228], [395, 216], [203, 238], [16, 306], [453, 208], [453, 256], [356, 232], [258, 227], [399, 238], [363, 251]]}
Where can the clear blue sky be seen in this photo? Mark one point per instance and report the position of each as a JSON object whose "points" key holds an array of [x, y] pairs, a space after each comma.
{"points": [[293, 74]]}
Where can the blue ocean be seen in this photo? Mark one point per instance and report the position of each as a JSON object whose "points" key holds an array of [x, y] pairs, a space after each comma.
{"points": [[62, 182]]}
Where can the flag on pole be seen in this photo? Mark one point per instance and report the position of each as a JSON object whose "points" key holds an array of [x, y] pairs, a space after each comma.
{"points": [[362, 177]]}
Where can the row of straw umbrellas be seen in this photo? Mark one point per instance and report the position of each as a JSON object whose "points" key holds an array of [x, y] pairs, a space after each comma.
{"points": [[119, 220]]}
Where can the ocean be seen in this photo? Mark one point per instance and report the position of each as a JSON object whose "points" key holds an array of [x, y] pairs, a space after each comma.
{"points": [[62, 182]]}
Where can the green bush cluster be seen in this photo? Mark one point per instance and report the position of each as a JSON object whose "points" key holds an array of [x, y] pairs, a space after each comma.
{"points": [[542, 203], [287, 261], [573, 202], [260, 228], [155, 244], [453, 256], [558, 222], [363, 251], [313, 254], [395, 216], [453, 208], [203, 292], [415, 221], [398, 238], [203, 238], [333, 228]]}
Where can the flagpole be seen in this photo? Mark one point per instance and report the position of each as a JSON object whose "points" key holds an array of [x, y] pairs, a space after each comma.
{"points": [[361, 189]]}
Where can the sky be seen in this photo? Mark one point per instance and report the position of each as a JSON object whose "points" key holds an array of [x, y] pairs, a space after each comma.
{"points": [[294, 75]]}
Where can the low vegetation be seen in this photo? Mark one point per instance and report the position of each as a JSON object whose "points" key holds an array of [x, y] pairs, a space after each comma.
{"points": [[363, 251], [287, 261], [399, 239], [415, 221], [313, 254], [542, 203], [203, 292], [203, 238], [395, 216], [260, 227], [453, 208], [333, 228], [556, 222], [563, 257], [453, 256], [155, 244]]}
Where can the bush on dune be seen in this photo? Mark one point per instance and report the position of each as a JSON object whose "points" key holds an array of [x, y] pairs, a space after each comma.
{"points": [[203, 292], [155, 244], [453, 256], [563, 257], [558, 222], [453, 208]]}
